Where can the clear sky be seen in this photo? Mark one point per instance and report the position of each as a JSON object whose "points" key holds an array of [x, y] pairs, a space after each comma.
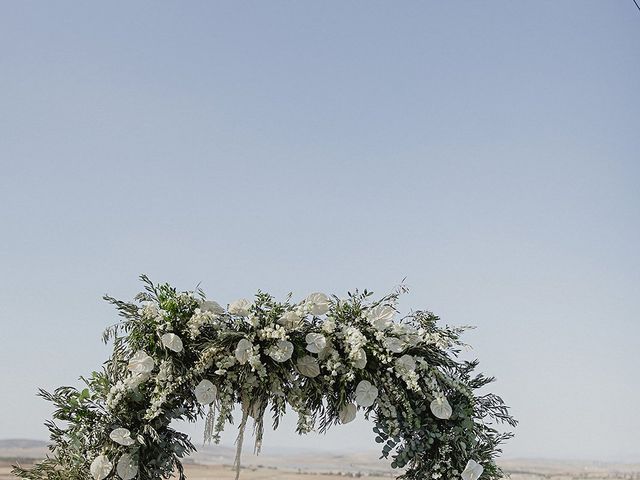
{"points": [[488, 151]]}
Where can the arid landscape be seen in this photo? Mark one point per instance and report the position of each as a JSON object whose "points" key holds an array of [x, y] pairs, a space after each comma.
{"points": [[215, 462]]}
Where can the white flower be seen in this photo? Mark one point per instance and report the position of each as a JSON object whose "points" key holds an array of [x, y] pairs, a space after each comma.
{"points": [[127, 468], [406, 362], [348, 413], [141, 363], [360, 358], [308, 366], [281, 351], [172, 342], [440, 408], [243, 351], [329, 325], [317, 303], [289, 319], [393, 344], [240, 307], [211, 306], [472, 471], [381, 316], [122, 436], [366, 394], [136, 379], [205, 392], [101, 467], [315, 342]]}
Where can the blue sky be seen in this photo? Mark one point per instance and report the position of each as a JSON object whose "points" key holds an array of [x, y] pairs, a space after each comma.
{"points": [[488, 151]]}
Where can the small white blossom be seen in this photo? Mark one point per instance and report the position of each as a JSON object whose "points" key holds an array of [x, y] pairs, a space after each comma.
{"points": [[472, 471], [122, 436], [317, 303], [308, 366], [348, 413], [127, 468], [315, 342], [240, 307], [360, 358], [172, 342], [206, 392], [441, 408], [100, 467], [243, 351], [366, 394]]}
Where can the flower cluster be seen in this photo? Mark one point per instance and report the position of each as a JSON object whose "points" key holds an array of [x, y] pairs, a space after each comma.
{"points": [[178, 355]]}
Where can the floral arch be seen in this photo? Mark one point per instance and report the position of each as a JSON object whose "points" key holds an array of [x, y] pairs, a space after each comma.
{"points": [[177, 355]]}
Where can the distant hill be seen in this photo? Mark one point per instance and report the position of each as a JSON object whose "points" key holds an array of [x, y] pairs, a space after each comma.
{"points": [[22, 443]]}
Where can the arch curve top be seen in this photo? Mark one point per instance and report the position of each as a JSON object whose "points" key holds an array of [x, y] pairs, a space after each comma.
{"points": [[178, 355]]}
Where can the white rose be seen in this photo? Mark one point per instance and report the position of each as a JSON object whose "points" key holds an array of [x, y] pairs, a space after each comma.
{"points": [[289, 319], [141, 363], [122, 436], [211, 306], [393, 344], [172, 342], [281, 351], [406, 362], [100, 467], [308, 366], [440, 408], [315, 342], [366, 394], [348, 413], [317, 303], [127, 468], [206, 392], [360, 359], [243, 351], [240, 307], [381, 316], [472, 471]]}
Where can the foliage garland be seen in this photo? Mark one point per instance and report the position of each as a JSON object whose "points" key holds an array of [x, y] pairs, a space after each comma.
{"points": [[177, 355]]}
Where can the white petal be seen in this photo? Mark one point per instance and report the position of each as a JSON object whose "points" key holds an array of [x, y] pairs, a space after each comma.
{"points": [[141, 363], [281, 351], [393, 344], [406, 362], [308, 366], [101, 467], [441, 409], [318, 303], [211, 306], [122, 436], [127, 468], [240, 307], [381, 316], [172, 342], [243, 350], [205, 392], [472, 471], [348, 413], [360, 360], [315, 342], [366, 394]]}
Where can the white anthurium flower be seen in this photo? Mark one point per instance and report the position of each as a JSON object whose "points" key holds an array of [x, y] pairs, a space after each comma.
{"points": [[381, 316], [348, 413], [211, 306], [290, 319], [206, 392], [127, 468], [315, 342], [317, 303], [122, 436], [366, 394], [327, 351], [240, 307], [360, 359], [308, 366], [441, 408], [172, 342], [406, 362], [472, 471], [243, 351], [281, 351], [141, 363], [393, 344], [136, 379], [100, 467]]}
